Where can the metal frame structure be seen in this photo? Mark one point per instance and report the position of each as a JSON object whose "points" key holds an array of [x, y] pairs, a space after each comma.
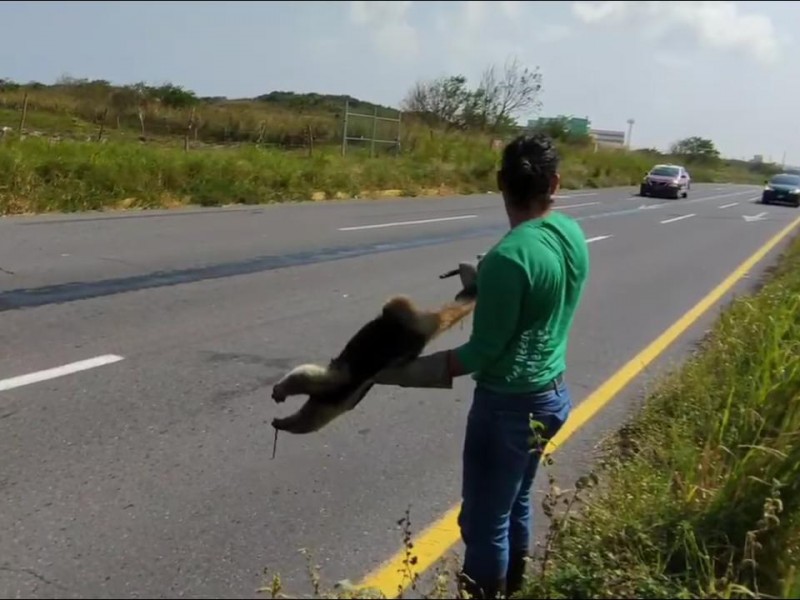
{"points": [[373, 140]]}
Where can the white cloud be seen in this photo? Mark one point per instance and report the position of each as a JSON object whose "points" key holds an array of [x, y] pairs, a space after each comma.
{"points": [[462, 31], [511, 8], [475, 33], [671, 60], [591, 12], [387, 25], [474, 13], [553, 32], [717, 24]]}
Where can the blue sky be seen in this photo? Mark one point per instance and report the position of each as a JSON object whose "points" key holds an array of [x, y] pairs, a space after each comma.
{"points": [[723, 70]]}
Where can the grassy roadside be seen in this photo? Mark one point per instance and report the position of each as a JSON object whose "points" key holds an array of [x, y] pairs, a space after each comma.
{"points": [[84, 144], [38, 175], [699, 495]]}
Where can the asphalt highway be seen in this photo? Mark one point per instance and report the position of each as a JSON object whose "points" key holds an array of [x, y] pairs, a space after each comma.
{"points": [[147, 471]]}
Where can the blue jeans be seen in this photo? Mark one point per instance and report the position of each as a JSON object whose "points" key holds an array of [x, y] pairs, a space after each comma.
{"points": [[500, 463]]}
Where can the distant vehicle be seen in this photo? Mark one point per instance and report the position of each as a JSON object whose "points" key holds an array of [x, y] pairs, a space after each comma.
{"points": [[666, 180], [783, 188]]}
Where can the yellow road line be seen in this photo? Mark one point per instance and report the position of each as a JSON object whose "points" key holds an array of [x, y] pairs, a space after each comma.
{"points": [[439, 537]]}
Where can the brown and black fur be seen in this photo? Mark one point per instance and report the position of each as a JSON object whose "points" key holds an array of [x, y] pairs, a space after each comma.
{"points": [[395, 337]]}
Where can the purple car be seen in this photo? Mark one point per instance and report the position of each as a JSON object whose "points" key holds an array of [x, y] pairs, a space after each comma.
{"points": [[672, 181]]}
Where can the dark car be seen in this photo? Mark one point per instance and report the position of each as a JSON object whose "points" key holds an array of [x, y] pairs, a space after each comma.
{"points": [[783, 188], [672, 181]]}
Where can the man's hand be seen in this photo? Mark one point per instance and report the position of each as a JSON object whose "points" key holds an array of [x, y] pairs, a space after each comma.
{"points": [[468, 272], [431, 371]]}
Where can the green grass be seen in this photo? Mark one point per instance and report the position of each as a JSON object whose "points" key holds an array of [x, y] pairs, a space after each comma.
{"points": [[699, 494], [38, 175]]}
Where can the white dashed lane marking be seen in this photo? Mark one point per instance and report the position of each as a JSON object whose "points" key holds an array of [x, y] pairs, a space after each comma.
{"points": [[581, 205], [38, 376], [402, 223], [598, 238], [674, 219]]}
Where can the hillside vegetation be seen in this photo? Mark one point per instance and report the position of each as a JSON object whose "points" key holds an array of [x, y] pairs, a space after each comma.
{"points": [[89, 145]]}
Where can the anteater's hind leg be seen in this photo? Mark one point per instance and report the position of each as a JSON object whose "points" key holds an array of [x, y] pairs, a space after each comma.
{"points": [[315, 414], [307, 380]]}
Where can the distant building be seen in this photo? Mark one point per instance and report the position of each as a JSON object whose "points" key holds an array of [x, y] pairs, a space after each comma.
{"points": [[575, 125], [608, 138], [758, 159], [581, 127]]}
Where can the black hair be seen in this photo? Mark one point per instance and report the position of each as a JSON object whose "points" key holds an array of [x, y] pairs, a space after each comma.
{"points": [[528, 165]]}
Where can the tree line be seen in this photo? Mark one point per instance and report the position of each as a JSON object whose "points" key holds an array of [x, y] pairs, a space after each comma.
{"points": [[501, 95]]}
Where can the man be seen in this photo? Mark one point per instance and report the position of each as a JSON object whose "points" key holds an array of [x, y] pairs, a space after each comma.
{"points": [[529, 287]]}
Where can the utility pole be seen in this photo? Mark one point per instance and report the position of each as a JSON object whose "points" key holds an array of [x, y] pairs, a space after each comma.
{"points": [[630, 131]]}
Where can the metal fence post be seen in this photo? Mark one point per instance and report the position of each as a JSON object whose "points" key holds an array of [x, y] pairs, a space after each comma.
{"points": [[344, 127]]}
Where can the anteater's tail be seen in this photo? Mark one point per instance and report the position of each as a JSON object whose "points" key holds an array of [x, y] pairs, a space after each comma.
{"points": [[453, 313], [428, 323]]}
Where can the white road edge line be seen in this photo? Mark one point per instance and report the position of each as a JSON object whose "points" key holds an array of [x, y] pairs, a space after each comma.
{"points": [[598, 238], [399, 223], [728, 205], [576, 205], [578, 195], [82, 365], [673, 219]]}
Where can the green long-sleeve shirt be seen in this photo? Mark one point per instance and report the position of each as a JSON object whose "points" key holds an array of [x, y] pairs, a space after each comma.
{"points": [[529, 287]]}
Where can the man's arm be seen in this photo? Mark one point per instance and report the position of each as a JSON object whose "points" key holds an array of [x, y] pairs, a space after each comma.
{"points": [[501, 287], [502, 284]]}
